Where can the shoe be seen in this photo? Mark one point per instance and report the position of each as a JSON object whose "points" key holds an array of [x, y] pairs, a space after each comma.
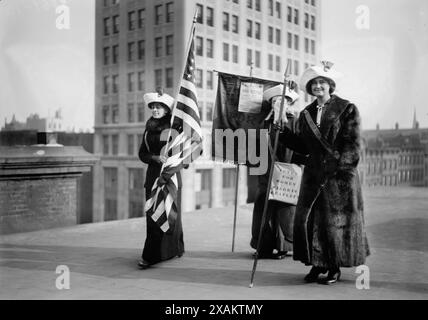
{"points": [[264, 255], [312, 276], [280, 255], [142, 264], [332, 277]]}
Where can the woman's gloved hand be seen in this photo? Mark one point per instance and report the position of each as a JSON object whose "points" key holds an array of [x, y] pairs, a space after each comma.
{"points": [[161, 181]]}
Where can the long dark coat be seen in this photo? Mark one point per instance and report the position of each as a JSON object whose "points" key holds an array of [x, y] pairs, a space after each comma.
{"points": [[278, 231], [159, 246], [329, 221]]}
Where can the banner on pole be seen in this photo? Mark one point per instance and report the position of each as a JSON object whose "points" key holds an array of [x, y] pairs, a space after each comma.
{"points": [[238, 118]]}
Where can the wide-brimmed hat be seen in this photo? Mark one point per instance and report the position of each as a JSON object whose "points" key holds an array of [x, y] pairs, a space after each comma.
{"points": [[277, 91], [313, 72], [159, 97]]}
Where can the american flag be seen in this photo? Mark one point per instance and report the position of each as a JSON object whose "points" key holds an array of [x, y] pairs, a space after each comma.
{"points": [[182, 148]]}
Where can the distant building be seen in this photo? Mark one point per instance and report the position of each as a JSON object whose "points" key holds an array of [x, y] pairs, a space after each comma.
{"points": [[395, 157], [34, 122]]}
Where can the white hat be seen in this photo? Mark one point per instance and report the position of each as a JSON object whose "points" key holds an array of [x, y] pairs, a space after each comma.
{"points": [[277, 91], [159, 97], [318, 71]]}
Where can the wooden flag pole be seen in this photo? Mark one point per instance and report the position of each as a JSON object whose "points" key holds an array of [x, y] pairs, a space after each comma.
{"points": [[275, 146], [236, 187], [236, 206]]}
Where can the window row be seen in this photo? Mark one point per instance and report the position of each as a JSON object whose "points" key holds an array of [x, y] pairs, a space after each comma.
{"points": [[135, 82], [293, 16], [169, 45], [111, 25], [199, 79], [110, 146], [164, 78], [136, 19], [108, 3], [160, 11]]}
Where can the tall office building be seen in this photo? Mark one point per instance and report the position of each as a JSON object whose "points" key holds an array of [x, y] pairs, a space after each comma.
{"points": [[140, 45]]}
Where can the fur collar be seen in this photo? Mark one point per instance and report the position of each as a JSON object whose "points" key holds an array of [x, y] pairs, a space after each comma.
{"points": [[157, 125]]}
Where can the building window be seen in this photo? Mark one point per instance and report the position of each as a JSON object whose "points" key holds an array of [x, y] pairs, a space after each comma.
{"points": [[289, 14], [234, 53], [131, 117], [115, 53], [141, 49], [115, 84], [140, 80], [210, 48], [158, 46], [209, 111], [225, 21], [296, 42], [235, 24], [229, 178], [115, 144], [107, 26], [289, 40], [136, 193], [312, 46], [270, 7], [110, 192], [278, 10], [249, 28], [158, 77], [169, 45], [131, 81], [115, 113], [210, 80], [130, 144], [105, 114], [290, 63], [200, 13], [257, 54], [250, 4], [296, 16], [270, 62], [106, 56], [306, 45], [199, 46], [199, 78], [131, 51], [131, 20], [313, 2], [106, 144], [141, 18], [169, 75], [278, 36], [257, 5], [312, 22], [249, 57], [270, 34], [210, 17], [105, 84], [225, 51], [278, 63], [116, 24], [296, 67], [140, 112], [306, 20], [158, 14], [257, 30], [169, 12]]}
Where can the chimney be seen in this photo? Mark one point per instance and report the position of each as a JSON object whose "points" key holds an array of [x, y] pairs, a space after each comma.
{"points": [[396, 126], [377, 126]]}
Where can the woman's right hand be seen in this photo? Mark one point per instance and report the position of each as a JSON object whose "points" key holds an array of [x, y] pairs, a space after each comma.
{"points": [[160, 159]]}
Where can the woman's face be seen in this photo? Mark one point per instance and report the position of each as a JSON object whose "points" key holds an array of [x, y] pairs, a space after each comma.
{"points": [[158, 110], [320, 87]]}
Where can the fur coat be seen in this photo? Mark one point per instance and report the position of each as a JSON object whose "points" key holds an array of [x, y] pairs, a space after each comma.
{"points": [[329, 221]]}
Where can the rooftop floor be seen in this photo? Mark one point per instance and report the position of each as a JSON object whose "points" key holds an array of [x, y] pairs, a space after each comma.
{"points": [[102, 259]]}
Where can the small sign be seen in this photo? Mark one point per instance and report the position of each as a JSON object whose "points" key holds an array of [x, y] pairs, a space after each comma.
{"points": [[250, 97], [286, 179]]}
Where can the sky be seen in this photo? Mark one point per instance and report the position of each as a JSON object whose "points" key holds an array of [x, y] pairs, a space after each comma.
{"points": [[381, 49]]}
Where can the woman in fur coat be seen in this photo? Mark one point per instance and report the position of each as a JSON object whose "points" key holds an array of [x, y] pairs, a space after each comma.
{"points": [[329, 222], [159, 246], [278, 230]]}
